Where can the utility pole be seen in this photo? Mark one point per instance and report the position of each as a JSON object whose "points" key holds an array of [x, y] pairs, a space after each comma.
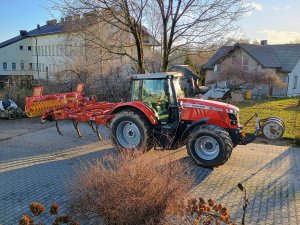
{"points": [[37, 59]]}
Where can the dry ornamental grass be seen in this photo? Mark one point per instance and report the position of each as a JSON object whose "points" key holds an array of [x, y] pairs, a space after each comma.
{"points": [[130, 189]]}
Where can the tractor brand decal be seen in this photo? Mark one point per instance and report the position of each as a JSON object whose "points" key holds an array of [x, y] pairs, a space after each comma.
{"points": [[189, 105]]}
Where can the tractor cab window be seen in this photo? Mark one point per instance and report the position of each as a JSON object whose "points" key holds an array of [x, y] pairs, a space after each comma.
{"points": [[154, 95], [179, 87]]}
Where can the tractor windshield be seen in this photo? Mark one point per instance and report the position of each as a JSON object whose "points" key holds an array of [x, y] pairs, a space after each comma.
{"points": [[178, 85]]}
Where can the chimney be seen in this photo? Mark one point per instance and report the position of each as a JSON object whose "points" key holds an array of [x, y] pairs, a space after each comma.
{"points": [[38, 26], [68, 18], [62, 21], [23, 33], [264, 42], [52, 22], [76, 17]]}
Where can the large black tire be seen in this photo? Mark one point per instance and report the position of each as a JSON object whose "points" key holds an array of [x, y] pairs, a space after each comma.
{"points": [[210, 146], [125, 128]]}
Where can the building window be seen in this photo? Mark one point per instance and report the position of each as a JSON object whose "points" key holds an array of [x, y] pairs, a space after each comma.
{"points": [[42, 49], [30, 66], [21, 47], [245, 63], [22, 66], [29, 48], [13, 66], [217, 68], [5, 66], [40, 67], [53, 50], [295, 82]]}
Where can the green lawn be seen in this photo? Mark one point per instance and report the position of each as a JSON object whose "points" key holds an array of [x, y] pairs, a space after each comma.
{"points": [[284, 108]]}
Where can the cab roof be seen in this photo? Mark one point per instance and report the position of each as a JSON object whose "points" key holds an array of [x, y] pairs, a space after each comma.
{"points": [[148, 76]]}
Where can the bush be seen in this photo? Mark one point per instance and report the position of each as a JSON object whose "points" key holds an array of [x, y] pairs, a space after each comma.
{"points": [[110, 86], [197, 211], [17, 89], [37, 209], [130, 189]]}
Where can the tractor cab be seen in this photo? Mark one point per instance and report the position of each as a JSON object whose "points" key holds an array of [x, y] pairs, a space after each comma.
{"points": [[160, 92]]}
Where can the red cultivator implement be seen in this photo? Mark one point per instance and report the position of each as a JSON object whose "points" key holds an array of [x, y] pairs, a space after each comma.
{"points": [[87, 110], [38, 104]]}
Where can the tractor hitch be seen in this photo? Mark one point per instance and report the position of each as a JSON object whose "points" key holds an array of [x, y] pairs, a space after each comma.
{"points": [[272, 128]]}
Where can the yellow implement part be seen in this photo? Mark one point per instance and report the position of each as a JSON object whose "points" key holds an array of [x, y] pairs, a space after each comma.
{"points": [[39, 108]]}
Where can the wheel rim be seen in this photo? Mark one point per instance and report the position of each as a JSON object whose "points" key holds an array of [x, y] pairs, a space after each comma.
{"points": [[207, 148], [273, 130], [128, 134]]}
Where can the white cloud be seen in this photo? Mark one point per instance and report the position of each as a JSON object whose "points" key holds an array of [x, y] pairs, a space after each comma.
{"points": [[253, 6], [256, 6], [283, 8], [280, 37]]}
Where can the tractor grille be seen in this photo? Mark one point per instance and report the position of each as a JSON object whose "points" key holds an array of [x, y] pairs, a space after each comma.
{"points": [[234, 118]]}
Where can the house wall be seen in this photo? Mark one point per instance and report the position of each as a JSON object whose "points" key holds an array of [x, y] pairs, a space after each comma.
{"points": [[53, 53], [294, 89], [251, 65], [12, 54], [281, 91]]}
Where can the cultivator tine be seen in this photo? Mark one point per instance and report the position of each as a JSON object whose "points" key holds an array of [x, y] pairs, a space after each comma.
{"points": [[98, 133], [57, 128], [90, 123], [75, 124]]}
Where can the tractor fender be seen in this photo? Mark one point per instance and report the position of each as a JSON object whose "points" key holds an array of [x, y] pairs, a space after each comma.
{"points": [[137, 105], [191, 127]]}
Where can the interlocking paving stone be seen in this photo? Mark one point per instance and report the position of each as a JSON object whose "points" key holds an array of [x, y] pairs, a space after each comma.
{"points": [[41, 166]]}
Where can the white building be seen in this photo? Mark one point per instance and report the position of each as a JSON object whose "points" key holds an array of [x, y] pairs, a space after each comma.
{"points": [[39, 53], [48, 49]]}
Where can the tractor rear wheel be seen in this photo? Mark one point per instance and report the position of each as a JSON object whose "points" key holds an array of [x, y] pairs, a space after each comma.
{"points": [[130, 130], [210, 146]]}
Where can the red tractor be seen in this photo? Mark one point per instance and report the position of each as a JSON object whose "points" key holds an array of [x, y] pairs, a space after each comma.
{"points": [[160, 116]]}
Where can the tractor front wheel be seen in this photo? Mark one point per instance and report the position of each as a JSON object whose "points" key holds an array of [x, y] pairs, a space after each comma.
{"points": [[210, 146], [130, 130]]}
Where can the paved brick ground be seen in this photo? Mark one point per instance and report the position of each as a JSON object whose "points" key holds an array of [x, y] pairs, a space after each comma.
{"points": [[40, 166]]}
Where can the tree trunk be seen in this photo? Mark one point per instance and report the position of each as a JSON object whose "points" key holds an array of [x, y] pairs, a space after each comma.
{"points": [[165, 56]]}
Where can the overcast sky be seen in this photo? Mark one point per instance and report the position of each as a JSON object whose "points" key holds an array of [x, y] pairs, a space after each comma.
{"points": [[278, 21]]}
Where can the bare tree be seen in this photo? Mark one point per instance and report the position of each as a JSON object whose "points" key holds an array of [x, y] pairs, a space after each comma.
{"points": [[113, 27], [188, 24]]}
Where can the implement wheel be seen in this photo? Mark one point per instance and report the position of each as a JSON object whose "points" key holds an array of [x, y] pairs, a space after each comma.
{"points": [[210, 146], [130, 130]]}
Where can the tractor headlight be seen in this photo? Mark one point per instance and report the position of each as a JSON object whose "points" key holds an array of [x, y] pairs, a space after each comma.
{"points": [[233, 116], [235, 112]]}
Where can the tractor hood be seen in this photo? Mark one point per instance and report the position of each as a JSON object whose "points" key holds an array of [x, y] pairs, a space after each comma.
{"points": [[207, 104]]}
